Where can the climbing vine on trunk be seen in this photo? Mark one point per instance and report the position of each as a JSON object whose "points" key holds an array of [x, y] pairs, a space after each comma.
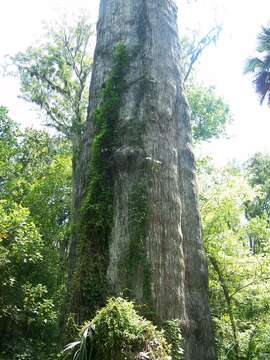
{"points": [[89, 284]]}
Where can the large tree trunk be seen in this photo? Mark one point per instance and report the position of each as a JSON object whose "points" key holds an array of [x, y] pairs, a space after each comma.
{"points": [[155, 253]]}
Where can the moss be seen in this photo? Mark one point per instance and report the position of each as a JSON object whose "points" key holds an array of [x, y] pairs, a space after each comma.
{"points": [[118, 332], [90, 285]]}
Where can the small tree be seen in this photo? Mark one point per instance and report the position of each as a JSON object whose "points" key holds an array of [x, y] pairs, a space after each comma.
{"points": [[55, 76]]}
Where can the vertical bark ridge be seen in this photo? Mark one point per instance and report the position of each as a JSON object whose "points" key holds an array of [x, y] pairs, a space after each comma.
{"points": [[199, 335]]}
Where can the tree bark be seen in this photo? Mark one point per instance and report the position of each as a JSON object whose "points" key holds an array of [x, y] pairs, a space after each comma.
{"points": [[155, 251]]}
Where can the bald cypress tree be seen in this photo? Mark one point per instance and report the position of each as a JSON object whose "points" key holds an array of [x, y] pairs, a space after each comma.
{"points": [[137, 230]]}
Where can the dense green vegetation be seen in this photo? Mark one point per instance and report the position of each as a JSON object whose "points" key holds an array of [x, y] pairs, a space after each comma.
{"points": [[35, 198], [34, 225], [238, 253], [118, 332], [209, 113]]}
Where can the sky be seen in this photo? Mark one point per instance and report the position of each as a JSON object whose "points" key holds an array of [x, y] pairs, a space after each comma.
{"points": [[221, 66]]}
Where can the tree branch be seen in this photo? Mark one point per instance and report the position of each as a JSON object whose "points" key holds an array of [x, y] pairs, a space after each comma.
{"points": [[229, 304], [202, 44], [247, 285]]}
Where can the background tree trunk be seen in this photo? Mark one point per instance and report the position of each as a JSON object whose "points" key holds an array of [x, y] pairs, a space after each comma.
{"points": [[155, 252]]}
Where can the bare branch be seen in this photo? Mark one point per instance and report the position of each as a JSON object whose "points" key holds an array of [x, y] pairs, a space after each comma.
{"points": [[204, 42]]}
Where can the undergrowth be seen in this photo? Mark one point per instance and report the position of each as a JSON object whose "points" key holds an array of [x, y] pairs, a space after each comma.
{"points": [[118, 332]]}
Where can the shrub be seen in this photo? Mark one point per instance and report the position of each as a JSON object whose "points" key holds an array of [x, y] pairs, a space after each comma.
{"points": [[118, 332]]}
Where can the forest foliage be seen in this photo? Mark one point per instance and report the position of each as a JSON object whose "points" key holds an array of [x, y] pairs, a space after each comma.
{"points": [[35, 201]]}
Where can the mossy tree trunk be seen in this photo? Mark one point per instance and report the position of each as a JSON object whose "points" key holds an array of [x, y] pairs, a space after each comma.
{"points": [[147, 244]]}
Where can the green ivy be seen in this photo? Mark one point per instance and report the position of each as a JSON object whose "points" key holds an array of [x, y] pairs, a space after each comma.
{"points": [[90, 285], [174, 338]]}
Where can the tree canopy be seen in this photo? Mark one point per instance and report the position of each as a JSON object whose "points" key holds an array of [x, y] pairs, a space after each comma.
{"points": [[35, 192], [55, 75], [209, 113]]}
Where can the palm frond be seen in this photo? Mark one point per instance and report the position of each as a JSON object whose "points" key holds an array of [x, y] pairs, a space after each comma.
{"points": [[69, 349], [252, 64], [266, 62], [260, 66], [83, 348], [264, 39], [262, 84]]}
